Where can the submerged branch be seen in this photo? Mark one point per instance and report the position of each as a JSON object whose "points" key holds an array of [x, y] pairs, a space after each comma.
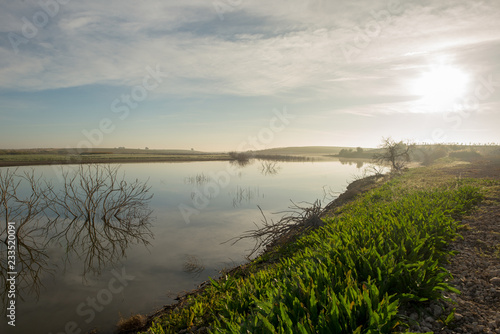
{"points": [[297, 220]]}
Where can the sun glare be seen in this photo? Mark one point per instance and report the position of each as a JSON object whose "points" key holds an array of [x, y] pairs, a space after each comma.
{"points": [[441, 87]]}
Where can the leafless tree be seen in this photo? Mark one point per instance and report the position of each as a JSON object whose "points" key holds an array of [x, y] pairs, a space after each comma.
{"points": [[396, 154]]}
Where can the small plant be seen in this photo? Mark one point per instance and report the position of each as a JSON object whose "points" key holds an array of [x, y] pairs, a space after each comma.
{"points": [[135, 322]]}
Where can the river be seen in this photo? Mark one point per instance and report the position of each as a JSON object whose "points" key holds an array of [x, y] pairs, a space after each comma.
{"points": [[195, 207]]}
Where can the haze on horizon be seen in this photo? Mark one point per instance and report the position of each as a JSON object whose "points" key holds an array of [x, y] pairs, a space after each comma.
{"points": [[211, 75]]}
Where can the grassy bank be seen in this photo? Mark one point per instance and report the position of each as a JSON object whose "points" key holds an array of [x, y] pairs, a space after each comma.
{"points": [[60, 159], [381, 252]]}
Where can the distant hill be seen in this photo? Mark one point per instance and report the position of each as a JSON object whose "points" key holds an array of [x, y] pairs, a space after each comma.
{"points": [[152, 151], [95, 151], [308, 150]]}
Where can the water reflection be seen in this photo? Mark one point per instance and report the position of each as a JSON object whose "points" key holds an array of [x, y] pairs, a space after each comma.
{"points": [[245, 195], [27, 246], [99, 214], [198, 179], [242, 162], [269, 168], [96, 214], [359, 164], [193, 265], [159, 268]]}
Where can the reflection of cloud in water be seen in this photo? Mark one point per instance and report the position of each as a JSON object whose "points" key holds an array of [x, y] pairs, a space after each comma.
{"points": [[198, 239]]}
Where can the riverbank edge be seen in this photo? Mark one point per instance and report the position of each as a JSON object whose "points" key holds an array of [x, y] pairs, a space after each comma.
{"points": [[353, 191], [142, 323]]}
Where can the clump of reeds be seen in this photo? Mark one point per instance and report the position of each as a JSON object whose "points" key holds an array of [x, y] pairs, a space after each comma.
{"points": [[131, 324]]}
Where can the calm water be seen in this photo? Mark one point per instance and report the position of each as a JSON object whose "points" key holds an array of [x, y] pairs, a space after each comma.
{"points": [[193, 216]]}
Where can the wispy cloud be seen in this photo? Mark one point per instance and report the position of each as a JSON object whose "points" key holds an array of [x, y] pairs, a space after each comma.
{"points": [[290, 50], [259, 49]]}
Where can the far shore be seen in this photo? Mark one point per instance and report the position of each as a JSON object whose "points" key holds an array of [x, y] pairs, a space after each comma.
{"points": [[64, 157], [41, 161]]}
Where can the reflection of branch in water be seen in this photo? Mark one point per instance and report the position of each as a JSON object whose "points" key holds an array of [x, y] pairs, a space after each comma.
{"points": [[100, 214], [25, 212], [245, 195], [241, 162], [329, 194], [95, 214], [193, 265], [269, 168], [198, 179]]}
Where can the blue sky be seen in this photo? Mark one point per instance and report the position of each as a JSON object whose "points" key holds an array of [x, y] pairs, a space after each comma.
{"points": [[211, 74]]}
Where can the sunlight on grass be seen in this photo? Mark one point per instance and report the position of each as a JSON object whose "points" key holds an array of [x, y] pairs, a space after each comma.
{"points": [[384, 250]]}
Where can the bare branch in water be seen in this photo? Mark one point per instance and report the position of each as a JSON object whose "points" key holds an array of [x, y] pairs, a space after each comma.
{"points": [[297, 220], [100, 214]]}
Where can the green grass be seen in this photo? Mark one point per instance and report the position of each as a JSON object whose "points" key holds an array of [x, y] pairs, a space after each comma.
{"points": [[101, 155], [31, 157], [382, 251]]}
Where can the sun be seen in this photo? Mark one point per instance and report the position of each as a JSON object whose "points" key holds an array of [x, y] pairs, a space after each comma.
{"points": [[440, 87]]}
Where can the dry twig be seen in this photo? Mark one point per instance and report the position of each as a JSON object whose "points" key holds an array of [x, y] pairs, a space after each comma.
{"points": [[297, 220]]}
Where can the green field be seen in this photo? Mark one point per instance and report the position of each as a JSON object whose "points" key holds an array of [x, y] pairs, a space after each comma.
{"points": [[73, 156]]}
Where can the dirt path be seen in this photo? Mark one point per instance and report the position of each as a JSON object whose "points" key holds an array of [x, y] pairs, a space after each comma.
{"points": [[475, 267]]}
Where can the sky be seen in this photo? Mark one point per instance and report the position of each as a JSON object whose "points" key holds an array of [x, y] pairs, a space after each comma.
{"points": [[224, 75]]}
